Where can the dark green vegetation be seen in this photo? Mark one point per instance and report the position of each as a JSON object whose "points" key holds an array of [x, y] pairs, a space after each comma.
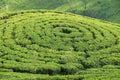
{"points": [[51, 45], [103, 9]]}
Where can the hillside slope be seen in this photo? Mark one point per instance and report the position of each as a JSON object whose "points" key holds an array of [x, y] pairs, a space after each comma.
{"points": [[51, 45], [103, 9]]}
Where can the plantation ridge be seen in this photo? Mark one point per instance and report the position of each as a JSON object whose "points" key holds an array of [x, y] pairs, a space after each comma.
{"points": [[108, 10], [54, 45]]}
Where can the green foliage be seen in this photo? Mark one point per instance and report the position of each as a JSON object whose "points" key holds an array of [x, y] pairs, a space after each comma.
{"points": [[102, 9], [52, 45]]}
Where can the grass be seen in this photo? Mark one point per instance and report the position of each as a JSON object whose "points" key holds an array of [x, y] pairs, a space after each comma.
{"points": [[52, 45]]}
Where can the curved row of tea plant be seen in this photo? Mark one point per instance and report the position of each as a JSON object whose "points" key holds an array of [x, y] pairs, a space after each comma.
{"points": [[55, 45]]}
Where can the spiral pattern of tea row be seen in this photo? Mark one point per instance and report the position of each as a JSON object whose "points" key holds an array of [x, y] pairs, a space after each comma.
{"points": [[31, 41]]}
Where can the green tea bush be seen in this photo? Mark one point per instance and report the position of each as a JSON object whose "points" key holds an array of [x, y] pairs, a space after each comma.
{"points": [[52, 45]]}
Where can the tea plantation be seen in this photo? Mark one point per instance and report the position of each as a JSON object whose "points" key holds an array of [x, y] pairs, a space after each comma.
{"points": [[52, 45], [108, 10]]}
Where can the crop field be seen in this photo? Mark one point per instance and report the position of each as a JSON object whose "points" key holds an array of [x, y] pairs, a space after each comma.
{"points": [[53, 45], [108, 10]]}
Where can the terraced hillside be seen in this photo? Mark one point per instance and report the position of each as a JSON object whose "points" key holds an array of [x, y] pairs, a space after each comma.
{"points": [[51, 45]]}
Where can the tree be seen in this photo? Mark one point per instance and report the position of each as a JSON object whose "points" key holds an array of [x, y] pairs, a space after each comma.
{"points": [[85, 3], [70, 4]]}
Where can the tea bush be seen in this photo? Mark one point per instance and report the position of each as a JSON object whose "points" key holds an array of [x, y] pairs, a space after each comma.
{"points": [[52, 45]]}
